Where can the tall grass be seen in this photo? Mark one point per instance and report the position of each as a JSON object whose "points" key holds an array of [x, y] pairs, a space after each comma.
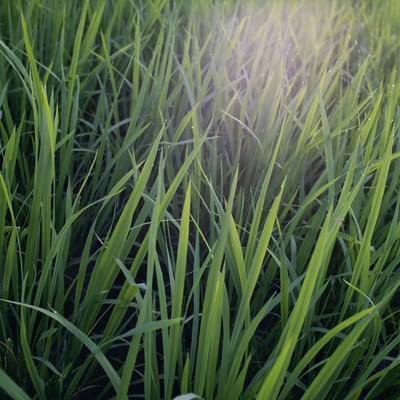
{"points": [[199, 199]]}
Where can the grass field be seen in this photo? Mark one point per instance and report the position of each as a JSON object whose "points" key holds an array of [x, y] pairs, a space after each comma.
{"points": [[199, 199]]}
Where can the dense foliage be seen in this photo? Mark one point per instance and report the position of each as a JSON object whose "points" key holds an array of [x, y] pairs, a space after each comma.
{"points": [[199, 198]]}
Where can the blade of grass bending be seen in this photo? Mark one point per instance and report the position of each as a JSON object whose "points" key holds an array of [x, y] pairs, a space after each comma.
{"points": [[59, 242], [274, 379], [325, 379], [85, 255], [128, 275], [103, 273], [246, 128], [373, 360], [12, 388], [368, 376], [143, 328], [317, 347], [166, 199], [83, 338]]}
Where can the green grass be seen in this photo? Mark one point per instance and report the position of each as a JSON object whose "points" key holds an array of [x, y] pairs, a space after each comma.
{"points": [[199, 199]]}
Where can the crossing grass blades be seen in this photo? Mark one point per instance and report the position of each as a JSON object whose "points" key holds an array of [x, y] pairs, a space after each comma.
{"points": [[199, 199]]}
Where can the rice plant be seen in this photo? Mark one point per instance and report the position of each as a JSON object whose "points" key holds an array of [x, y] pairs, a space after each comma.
{"points": [[199, 199]]}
